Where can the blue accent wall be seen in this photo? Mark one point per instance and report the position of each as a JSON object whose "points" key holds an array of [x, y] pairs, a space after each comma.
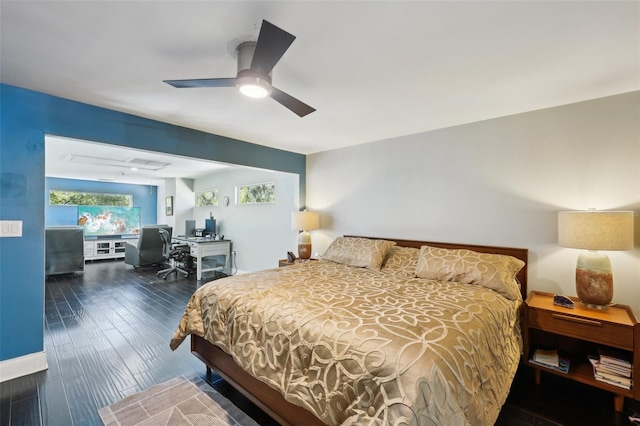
{"points": [[144, 196], [26, 116]]}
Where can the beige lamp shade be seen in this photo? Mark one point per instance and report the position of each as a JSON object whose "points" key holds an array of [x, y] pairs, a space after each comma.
{"points": [[305, 221], [596, 230]]}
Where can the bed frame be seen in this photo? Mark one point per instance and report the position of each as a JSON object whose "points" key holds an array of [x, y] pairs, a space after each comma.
{"points": [[270, 400]]}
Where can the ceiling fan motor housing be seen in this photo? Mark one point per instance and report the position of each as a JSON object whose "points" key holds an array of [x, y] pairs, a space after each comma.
{"points": [[251, 82], [244, 53]]}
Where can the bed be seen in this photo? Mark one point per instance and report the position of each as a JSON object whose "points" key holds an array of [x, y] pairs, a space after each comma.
{"points": [[380, 331]]}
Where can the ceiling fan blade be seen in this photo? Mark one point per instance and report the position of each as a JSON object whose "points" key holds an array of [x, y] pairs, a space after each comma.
{"points": [[292, 103], [271, 45], [202, 82]]}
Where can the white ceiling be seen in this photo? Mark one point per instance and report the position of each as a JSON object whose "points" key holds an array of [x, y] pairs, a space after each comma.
{"points": [[373, 70], [75, 159]]}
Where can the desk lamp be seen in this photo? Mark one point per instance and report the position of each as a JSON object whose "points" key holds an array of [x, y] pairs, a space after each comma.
{"points": [[305, 221], [595, 230]]}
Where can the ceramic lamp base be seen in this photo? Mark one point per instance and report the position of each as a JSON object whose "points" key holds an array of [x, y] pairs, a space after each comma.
{"points": [[304, 245], [304, 251], [594, 280]]}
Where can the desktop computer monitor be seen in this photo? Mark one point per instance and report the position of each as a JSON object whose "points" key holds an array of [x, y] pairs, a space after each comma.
{"points": [[189, 228], [210, 226]]}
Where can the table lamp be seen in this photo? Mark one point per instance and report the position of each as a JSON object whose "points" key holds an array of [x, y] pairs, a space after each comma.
{"points": [[595, 230], [305, 221]]}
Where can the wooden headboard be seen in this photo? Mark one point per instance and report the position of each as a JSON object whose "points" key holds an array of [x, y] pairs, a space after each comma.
{"points": [[518, 253]]}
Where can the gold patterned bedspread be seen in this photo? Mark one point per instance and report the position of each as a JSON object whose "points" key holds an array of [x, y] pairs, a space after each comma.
{"points": [[357, 347]]}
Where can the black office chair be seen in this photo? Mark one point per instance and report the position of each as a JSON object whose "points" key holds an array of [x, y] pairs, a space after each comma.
{"points": [[174, 254]]}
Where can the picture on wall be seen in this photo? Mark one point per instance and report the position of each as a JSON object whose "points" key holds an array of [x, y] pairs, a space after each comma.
{"points": [[168, 205], [109, 220]]}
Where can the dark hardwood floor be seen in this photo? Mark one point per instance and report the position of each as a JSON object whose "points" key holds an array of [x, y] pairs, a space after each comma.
{"points": [[106, 337]]}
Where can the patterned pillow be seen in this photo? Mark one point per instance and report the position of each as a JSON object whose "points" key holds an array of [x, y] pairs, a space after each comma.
{"points": [[358, 252], [494, 271], [402, 260]]}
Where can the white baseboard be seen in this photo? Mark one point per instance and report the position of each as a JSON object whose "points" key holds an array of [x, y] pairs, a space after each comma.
{"points": [[22, 366]]}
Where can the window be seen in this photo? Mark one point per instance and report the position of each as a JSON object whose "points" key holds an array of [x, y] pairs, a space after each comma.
{"points": [[207, 198], [74, 198], [257, 194]]}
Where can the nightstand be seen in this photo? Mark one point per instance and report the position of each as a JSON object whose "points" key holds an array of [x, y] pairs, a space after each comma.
{"points": [[285, 262], [578, 332]]}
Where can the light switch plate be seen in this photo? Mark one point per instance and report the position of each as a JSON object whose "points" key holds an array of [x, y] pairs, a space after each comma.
{"points": [[10, 228]]}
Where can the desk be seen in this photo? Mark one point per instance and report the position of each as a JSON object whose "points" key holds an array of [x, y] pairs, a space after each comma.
{"points": [[202, 247]]}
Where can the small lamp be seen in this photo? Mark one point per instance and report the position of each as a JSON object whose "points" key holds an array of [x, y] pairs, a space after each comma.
{"points": [[595, 230], [305, 221]]}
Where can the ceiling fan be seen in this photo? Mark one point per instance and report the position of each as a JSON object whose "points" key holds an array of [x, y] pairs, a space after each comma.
{"points": [[256, 60]]}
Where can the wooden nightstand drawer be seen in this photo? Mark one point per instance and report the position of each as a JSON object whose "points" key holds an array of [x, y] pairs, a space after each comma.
{"points": [[591, 329]]}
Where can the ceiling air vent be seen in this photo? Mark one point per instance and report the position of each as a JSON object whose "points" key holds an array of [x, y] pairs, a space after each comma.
{"points": [[128, 163], [147, 164]]}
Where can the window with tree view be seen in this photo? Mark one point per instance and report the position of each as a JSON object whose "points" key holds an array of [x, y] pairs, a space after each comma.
{"points": [[207, 198], [76, 198], [257, 194]]}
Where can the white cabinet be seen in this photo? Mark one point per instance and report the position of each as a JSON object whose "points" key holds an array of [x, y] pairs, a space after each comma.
{"points": [[106, 248], [88, 249]]}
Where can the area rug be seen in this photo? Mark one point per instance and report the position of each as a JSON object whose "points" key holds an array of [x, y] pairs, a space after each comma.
{"points": [[179, 401]]}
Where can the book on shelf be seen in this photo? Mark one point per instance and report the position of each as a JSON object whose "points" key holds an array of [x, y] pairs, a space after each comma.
{"points": [[613, 382], [548, 357], [624, 372], [614, 357], [620, 377], [613, 378], [563, 364]]}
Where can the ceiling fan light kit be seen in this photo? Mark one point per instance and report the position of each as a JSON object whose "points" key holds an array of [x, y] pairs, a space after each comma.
{"points": [[253, 85], [255, 63]]}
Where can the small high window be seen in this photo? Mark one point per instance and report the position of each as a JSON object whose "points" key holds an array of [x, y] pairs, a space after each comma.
{"points": [[207, 198], [77, 198], [257, 194]]}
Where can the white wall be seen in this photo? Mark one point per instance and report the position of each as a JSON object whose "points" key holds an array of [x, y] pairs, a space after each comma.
{"points": [[184, 201], [496, 182], [168, 189], [181, 189], [261, 233]]}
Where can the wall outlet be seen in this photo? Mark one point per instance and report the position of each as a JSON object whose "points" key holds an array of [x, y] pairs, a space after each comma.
{"points": [[234, 253]]}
